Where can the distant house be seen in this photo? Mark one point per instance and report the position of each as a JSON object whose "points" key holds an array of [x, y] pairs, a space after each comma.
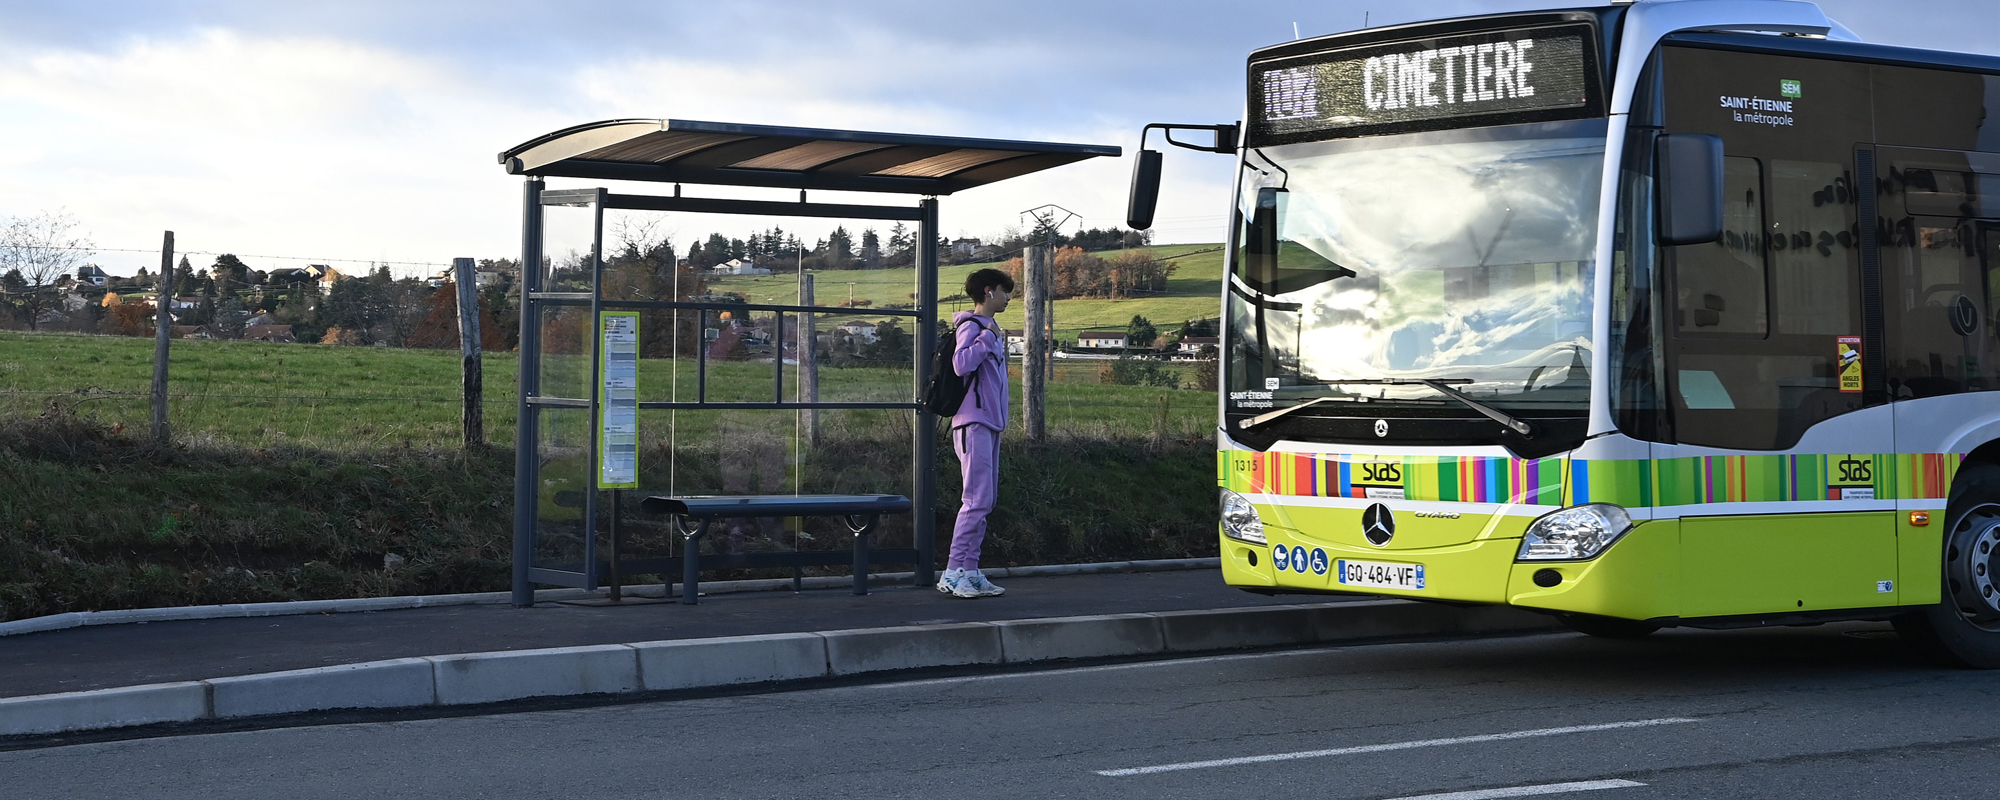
{"points": [[740, 266], [1192, 345], [1017, 342], [192, 332], [986, 252], [92, 275], [269, 333], [964, 248], [487, 277], [291, 276], [1101, 340], [859, 329]]}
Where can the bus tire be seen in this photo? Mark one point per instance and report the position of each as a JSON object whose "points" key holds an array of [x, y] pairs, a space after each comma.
{"points": [[1605, 627], [1964, 629]]}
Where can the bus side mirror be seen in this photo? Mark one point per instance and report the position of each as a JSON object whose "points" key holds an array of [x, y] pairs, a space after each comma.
{"points": [[1145, 197], [1688, 180]]}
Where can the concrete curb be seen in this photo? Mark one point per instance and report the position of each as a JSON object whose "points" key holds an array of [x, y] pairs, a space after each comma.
{"points": [[77, 619], [475, 678]]}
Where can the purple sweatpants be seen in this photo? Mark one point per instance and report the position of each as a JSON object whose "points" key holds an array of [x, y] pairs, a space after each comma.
{"points": [[978, 449]]}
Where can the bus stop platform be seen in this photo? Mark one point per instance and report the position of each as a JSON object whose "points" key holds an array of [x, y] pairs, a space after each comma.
{"points": [[104, 656], [190, 671]]}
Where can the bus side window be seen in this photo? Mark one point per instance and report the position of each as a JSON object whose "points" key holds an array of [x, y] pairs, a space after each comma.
{"points": [[1719, 288], [1754, 352]]}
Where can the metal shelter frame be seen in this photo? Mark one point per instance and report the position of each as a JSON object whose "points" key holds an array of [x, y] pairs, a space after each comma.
{"points": [[728, 154]]}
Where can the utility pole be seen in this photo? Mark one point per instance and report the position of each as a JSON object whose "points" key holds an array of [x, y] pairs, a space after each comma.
{"points": [[1050, 217], [1034, 273], [473, 388], [163, 332]]}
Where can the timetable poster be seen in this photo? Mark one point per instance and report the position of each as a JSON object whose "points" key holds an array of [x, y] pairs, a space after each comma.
{"points": [[618, 400]]}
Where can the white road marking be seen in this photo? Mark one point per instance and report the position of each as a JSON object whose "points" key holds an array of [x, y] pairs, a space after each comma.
{"points": [[1527, 791], [1380, 748]]}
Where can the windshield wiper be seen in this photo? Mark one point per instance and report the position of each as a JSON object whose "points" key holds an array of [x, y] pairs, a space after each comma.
{"points": [[1441, 385]]}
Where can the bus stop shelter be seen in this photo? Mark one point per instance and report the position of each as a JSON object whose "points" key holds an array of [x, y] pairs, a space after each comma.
{"points": [[705, 154]]}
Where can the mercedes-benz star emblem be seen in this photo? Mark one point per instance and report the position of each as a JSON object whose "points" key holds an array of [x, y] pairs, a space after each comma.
{"points": [[1381, 428], [1378, 525]]}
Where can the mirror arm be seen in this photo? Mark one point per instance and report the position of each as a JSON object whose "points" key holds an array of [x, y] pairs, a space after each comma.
{"points": [[1225, 136]]}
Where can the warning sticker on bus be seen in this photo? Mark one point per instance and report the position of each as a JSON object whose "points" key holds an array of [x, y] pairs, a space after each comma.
{"points": [[1849, 351]]}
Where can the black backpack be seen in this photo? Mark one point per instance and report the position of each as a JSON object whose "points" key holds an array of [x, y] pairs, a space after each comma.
{"points": [[946, 389]]}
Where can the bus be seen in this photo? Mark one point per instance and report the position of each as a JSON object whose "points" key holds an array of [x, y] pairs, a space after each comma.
{"points": [[1652, 315]]}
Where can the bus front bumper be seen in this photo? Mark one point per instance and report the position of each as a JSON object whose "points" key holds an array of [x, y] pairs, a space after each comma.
{"points": [[1635, 578]]}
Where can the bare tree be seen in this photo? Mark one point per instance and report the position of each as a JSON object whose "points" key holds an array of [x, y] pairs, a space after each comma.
{"points": [[44, 251]]}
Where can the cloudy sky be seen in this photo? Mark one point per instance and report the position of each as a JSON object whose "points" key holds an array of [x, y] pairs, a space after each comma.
{"points": [[367, 130]]}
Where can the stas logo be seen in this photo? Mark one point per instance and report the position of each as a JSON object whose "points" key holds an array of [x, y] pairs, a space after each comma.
{"points": [[1378, 472], [1855, 470], [1850, 477]]}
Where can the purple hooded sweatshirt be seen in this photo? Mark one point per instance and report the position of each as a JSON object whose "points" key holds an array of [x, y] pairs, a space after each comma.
{"points": [[980, 352]]}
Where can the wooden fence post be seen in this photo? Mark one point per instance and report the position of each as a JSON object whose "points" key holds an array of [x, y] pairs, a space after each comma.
{"points": [[808, 354], [163, 333], [474, 381]]}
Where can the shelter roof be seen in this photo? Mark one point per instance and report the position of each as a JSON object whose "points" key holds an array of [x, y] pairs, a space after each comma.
{"points": [[731, 154]]}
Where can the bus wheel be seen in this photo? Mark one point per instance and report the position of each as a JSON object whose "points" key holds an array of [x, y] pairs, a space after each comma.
{"points": [[1606, 627], [1964, 629]]}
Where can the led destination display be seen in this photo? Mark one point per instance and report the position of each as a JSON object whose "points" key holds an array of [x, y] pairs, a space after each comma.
{"points": [[1432, 83]]}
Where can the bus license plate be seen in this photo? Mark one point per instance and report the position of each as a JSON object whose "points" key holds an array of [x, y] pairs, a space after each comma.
{"points": [[1381, 575]]}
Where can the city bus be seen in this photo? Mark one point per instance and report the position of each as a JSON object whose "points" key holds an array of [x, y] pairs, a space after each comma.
{"points": [[1653, 315]]}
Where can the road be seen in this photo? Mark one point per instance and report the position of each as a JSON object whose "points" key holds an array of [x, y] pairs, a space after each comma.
{"points": [[1836, 711]]}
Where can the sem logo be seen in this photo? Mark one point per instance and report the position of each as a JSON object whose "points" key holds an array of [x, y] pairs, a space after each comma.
{"points": [[1382, 472], [1788, 88]]}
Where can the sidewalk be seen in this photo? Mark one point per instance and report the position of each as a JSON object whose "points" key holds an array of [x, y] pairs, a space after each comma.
{"points": [[105, 676], [80, 659]]}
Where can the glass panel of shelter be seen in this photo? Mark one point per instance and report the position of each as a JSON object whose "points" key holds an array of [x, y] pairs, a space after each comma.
{"points": [[730, 352]]}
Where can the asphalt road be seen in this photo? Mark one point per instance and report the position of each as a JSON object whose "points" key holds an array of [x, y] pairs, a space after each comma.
{"points": [[1830, 712]]}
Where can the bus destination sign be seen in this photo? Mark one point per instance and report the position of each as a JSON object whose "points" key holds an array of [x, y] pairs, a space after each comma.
{"points": [[1474, 79]]}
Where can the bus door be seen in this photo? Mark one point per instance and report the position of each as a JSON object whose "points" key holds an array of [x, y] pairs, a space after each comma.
{"points": [[1778, 462]]}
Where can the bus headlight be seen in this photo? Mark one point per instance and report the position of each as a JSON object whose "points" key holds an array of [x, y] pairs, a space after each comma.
{"points": [[1575, 533], [1239, 518]]}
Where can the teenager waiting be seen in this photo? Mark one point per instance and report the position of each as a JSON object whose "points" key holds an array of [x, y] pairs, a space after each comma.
{"points": [[981, 357]]}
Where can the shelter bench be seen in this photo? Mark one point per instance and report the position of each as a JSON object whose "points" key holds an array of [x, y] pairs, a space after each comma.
{"points": [[693, 515]]}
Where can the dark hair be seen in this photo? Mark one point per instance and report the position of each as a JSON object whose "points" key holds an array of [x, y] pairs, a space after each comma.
{"points": [[981, 281]]}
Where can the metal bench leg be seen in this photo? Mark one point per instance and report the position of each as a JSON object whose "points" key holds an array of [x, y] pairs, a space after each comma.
{"points": [[691, 562], [862, 526]]}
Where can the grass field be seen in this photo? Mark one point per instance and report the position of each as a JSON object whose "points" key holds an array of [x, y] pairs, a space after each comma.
{"points": [[1193, 292], [309, 471], [346, 398]]}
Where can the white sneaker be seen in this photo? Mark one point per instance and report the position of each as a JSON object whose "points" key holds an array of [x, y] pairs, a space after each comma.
{"points": [[981, 587], [949, 580]]}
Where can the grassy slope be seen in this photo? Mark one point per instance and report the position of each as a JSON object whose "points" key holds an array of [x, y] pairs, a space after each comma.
{"points": [[98, 520]]}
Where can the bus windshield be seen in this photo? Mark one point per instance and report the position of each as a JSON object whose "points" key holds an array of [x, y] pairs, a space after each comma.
{"points": [[1366, 266]]}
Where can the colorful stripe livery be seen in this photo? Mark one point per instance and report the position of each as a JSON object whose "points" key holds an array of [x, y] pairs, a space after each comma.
{"points": [[1630, 483], [1474, 479]]}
